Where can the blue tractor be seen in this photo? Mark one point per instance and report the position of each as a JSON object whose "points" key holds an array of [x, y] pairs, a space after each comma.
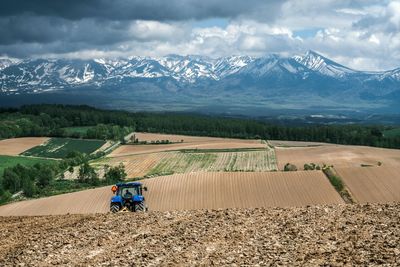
{"points": [[128, 197]]}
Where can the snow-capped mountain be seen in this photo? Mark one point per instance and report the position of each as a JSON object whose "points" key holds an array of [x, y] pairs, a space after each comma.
{"points": [[230, 65], [186, 79], [323, 65], [5, 62]]}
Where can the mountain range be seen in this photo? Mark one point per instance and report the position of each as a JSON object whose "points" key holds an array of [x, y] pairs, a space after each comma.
{"points": [[234, 84]]}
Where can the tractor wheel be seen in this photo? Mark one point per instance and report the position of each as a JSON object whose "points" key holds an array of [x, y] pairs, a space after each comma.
{"points": [[114, 208], [140, 207]]}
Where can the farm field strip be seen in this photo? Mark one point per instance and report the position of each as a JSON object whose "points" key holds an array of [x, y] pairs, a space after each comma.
{"points": [[15, 146], [178, 162], [211, 190], [372, 184], [337, 155], [215, 190], [282, 143], [125, 150], [59, 147], [187, 138], [83, 202], [136, 165], [183, 162]]}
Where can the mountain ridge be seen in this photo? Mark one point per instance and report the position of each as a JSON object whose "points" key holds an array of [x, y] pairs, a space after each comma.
{"points": [[271, 81]]}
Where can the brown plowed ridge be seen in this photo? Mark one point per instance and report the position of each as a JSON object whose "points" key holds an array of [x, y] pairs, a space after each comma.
{"points": [[372, 184], [15, 146], [239, 190], [337, 155], [197, 191], [138, 165], [83, 202], [338, 235]]}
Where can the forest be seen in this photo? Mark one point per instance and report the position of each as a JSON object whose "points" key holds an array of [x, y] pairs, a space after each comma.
{"points": [[51, 120]]}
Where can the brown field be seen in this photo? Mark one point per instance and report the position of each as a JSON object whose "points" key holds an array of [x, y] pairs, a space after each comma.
{"points": [[83, 202], [125, 150], [337, 155], [197, 191], [239, 190], [280, 143], [339, 235], [138, 165], [372, 184], [186, 138], [15, 146]]}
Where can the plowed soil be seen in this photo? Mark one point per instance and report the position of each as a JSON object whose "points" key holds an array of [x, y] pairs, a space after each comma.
{"points": [[239, 190], [281, 143], [137, 165], [197, 191], [337, 155], [15, 146], [126, 150], [83, 202], [343, 235], [189, 142], [372, 184], [185, 138]]}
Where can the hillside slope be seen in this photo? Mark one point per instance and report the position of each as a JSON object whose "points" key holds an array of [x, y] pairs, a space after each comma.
{"points": [[196, 191]]}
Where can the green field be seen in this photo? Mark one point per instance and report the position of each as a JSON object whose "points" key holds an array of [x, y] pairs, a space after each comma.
{"points": [[185, 162], [392, 133], [60, 147], [10, 161]]}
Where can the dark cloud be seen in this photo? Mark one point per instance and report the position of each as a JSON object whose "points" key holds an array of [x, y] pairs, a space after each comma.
{"points": [[160, 10], [33, 29], [42, 25], [367, 31]]}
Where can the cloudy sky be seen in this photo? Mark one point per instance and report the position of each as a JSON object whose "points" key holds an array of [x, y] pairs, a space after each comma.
{"points": [[363, 34]]}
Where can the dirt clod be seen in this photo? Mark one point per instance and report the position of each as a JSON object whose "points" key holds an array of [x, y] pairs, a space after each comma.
{"points": [[317, 235]]}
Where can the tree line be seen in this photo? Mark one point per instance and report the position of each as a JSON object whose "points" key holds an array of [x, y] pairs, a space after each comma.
{"points": [[40, 179], [49, 120]]}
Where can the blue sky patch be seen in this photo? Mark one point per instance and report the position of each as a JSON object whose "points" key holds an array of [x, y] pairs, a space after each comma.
{"points": [[307, 33]]}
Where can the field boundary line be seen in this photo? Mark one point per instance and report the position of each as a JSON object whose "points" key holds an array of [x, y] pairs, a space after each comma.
{"points": [[344, 192]]}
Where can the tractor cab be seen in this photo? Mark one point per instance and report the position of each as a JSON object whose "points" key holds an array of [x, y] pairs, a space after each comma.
{"points": [[128, 197]]}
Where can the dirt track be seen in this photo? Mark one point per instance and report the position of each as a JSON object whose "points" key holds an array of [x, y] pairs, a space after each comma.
{"points": [[330, 236], [372, 184], [197, 191], [15, 146]]}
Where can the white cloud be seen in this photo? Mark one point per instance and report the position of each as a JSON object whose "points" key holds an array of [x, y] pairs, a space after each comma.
{"points": [[363, 34]]}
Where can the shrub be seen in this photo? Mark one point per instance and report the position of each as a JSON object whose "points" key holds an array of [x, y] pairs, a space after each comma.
{"points": [[5, 196], [29, 188], [290, 167], [87, 174], [115, 174], [45, 174], [334, 179]]}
